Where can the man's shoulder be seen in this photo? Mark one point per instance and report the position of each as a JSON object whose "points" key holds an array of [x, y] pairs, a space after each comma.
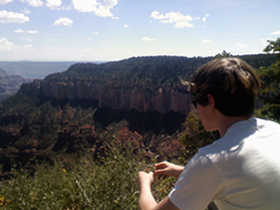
{"points": [[261, 121], [267, 127], [234, 140]]}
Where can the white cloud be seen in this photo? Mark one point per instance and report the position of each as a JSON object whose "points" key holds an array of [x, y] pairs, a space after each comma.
{"points": [[63, 22], [205, 17], [95, 33], [101, 9], [5, 45], [206, 41], [33, 3], [33, 32], [85, 6], [5, 1], [242, 46], [183, 24], [53, 3], [9, 51], [18, 31], [12, 17], [26, 47], [275, 33], [126, 25], [148, 39], [66, 8], [173, 17], [26, 11]]}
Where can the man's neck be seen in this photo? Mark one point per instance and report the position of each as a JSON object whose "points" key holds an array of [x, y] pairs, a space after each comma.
{"points": [[225, 122]]}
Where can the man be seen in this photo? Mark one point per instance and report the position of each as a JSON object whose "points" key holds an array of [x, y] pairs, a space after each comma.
{"points": [[241, 170]]}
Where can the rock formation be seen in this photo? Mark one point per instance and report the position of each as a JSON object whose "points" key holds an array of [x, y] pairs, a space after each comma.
{"points": [[163, 100]]}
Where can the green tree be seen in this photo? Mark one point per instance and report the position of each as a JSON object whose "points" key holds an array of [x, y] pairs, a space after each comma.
{"points": [[224, 54], [273, 46], [270, 85]]}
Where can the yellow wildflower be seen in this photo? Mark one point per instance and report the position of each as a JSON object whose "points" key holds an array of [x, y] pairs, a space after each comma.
{"points": [[64, 170], [2, 200]]}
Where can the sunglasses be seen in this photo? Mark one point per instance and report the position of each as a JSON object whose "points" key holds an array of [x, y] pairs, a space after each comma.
{"points": [[194, 103], [195, 97]]}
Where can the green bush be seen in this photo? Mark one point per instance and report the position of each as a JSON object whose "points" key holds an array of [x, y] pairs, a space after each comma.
{"points": [[110, 183], [194, 136]]}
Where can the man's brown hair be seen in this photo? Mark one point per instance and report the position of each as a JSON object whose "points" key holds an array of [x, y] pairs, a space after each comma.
{"points": [[232, 82]]}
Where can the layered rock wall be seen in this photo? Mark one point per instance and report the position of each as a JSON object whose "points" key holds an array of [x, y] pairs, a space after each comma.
{"points": [[163, 99]]}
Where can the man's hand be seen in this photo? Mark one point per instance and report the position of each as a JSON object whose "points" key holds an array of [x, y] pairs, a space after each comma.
{"points": [[166, 169], [146, 200], [145, 180]]}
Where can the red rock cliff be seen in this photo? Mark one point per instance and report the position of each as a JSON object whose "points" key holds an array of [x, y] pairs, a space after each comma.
{"points": [[163, 100]]}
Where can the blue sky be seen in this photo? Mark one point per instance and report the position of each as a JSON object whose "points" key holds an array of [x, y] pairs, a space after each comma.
{"points": [[106, 30]]}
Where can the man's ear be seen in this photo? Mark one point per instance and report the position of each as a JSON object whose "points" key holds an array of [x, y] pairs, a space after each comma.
{"points": [[211, 101]]}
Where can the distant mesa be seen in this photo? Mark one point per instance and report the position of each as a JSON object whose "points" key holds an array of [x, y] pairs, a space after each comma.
{"points": [[10, 84]]}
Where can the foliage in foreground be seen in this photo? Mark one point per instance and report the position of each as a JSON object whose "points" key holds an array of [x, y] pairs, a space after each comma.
{"points": [[109, 184], [270, 85], [194, 136]]}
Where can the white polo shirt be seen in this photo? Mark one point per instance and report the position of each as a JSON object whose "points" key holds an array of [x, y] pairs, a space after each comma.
{"points": [[239, 171]]}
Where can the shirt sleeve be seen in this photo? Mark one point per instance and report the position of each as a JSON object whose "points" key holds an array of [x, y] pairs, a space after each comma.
{"points": [[199, 184]]}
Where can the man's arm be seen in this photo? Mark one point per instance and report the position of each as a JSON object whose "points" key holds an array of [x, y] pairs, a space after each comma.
{"points": [[146, 200]]}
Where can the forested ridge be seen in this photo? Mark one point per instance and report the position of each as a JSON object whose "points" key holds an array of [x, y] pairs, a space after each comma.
{"points": [[151, 71]]}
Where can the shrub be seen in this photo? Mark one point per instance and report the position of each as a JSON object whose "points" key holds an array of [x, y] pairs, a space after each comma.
{"points": [[108, 184]]}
